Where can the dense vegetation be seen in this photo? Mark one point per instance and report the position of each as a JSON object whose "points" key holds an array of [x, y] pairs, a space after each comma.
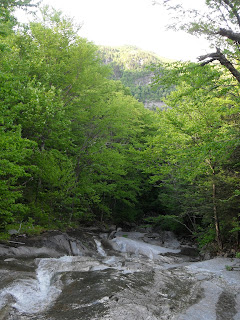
{"points": [[77, 147], [71, 140], [131, 66], [195, 153]]}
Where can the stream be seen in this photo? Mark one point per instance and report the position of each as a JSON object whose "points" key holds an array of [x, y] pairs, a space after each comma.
{"points": [[132, 276]]}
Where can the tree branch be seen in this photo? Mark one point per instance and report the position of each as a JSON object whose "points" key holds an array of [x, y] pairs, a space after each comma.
{"points": [[207, 62], [234, 10], [235, 36], [219, 56]]}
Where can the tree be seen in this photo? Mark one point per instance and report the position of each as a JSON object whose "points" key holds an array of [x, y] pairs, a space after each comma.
{"points": [[215, 85], [82, 134], [219, 23], [7, 19], [15, 150], [14, 173], [197, 141]]}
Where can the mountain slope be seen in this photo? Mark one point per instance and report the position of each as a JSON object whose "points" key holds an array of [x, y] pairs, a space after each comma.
{"points": [[131, 65]]}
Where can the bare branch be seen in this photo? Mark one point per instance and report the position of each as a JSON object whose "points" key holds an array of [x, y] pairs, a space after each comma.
{"points": [[219, 56], [235, 36], [207, 62], [233, 9]]}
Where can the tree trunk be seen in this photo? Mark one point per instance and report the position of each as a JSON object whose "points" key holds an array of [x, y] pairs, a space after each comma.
{"points": [[216, 219], [238, 232]]}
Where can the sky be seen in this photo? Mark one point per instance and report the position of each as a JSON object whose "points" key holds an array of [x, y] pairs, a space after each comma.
{"points": [[132, 22]]}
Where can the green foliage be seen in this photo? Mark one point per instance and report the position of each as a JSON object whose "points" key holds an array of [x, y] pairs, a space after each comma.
{"points": [[191, 151], [167, 223], [4, 236], [228, 268], [76, 146], [7, 19], [71, 139], [194, 155], [16, 3], [28, 227], [205, 236], [128, 57], [13, 172]]}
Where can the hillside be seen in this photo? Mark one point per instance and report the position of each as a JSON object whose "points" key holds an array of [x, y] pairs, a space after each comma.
{"points": [[131, 66]]}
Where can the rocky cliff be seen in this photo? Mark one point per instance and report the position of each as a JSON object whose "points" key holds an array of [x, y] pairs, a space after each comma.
{"points": [[132, 66]]}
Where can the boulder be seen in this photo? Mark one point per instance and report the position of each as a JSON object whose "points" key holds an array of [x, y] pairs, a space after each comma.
{"points": [[53, 244], [12, 232], [189, 251]]}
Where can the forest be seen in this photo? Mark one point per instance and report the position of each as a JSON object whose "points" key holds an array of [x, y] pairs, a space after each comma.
{"points": [[76, 147]]}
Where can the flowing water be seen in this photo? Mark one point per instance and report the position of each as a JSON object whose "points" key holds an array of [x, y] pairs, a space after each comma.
{"points": [[126, 278]]}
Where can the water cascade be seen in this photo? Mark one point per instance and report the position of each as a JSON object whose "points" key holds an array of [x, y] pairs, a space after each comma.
{"points": [[126, 278]]}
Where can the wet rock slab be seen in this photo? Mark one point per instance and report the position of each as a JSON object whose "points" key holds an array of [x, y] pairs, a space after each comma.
{"points": [[126, 280], [51, 244]]}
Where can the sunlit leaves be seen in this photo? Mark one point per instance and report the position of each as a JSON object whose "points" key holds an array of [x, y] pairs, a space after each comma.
{"points": [[78, 137]]}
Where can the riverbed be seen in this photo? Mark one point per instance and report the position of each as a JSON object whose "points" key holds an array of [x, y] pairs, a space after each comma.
{"points": [[132, 276]]}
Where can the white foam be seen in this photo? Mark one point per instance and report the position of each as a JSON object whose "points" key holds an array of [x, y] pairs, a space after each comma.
{"points": [[100, 249], [35, 295], [138, 247]]}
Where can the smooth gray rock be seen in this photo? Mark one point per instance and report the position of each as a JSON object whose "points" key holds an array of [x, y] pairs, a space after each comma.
{"points": [[48, 245], [12, 231], [138, 281], [27, 252]]}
